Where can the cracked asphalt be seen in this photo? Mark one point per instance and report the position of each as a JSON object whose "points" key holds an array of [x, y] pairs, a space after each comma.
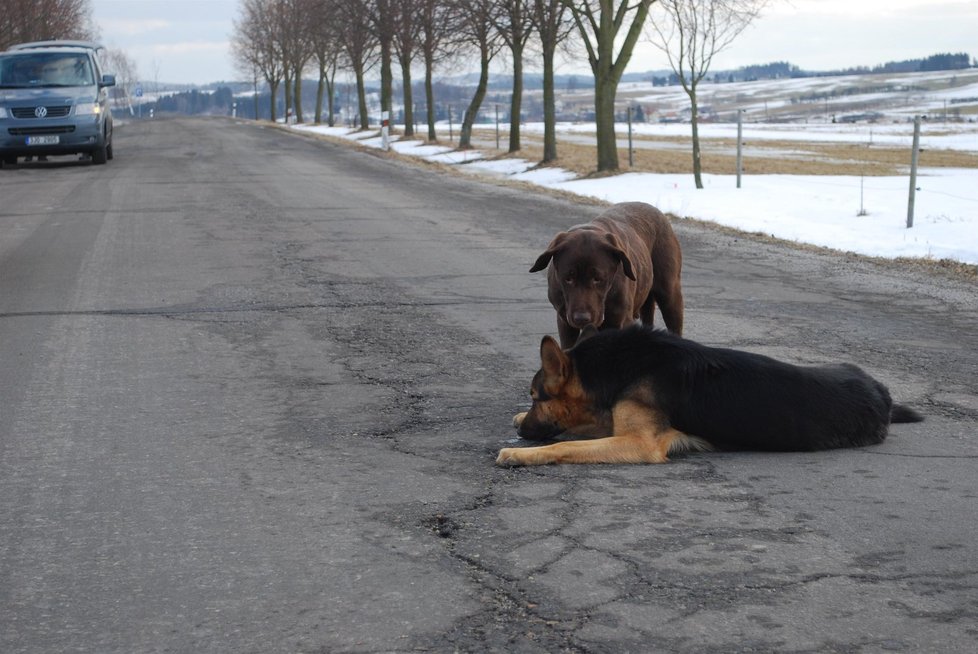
{"points": [[253, 385]]}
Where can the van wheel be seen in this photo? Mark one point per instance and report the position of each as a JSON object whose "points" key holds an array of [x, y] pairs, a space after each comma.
{"points": [[108, 151], [100, 155]]}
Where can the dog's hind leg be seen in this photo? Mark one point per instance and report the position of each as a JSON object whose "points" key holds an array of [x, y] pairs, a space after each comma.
{"points": [[670, 299], [667, 291]]}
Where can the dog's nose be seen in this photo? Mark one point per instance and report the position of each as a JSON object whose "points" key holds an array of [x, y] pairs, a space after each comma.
{"points": [[581, 318]]}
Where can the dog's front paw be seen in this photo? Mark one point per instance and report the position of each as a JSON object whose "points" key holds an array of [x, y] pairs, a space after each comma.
{"points": [[508, 456], [523, 456], [517, 456], [518, 419]]}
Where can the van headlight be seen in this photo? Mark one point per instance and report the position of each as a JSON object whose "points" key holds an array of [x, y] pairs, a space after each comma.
{"points": [[3, 113], [87, 109]]}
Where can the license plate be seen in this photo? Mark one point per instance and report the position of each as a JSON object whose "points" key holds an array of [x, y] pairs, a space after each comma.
{"points": [[52, 139]]}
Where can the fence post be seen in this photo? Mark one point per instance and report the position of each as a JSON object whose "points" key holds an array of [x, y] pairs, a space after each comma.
{"points": [[862, 208], [631, 161], [740, 144], [915, 154]]}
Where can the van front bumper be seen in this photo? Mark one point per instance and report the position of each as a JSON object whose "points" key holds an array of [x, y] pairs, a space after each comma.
{"points": [[22, 138]]}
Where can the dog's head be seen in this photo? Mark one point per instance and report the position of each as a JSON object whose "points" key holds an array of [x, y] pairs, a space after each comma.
{"points": [[559, 400], [585, 264]]}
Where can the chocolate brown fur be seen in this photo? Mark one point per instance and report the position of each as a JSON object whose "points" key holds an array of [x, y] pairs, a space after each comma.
{"points": [[613, 271]]}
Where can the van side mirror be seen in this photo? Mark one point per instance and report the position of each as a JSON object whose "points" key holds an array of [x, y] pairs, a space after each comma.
{"points": [[108, 80]]}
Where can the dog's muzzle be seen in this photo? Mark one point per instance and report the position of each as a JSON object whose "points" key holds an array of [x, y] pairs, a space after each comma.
{"points": [[536, 430]]}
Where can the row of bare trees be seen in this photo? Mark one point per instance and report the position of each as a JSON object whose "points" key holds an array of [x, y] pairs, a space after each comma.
{"points": [[277, 41], [43, 20], [23, 21]]}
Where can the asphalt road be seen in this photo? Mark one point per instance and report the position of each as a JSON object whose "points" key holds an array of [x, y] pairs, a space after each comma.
{"points": [[253, 384]]}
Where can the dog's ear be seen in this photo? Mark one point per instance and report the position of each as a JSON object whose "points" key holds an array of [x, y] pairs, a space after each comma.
{"points": [[555, 364], [552, 249], [619, 253], [586, 333]]}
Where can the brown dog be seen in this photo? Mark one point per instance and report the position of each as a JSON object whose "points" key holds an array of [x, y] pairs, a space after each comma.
{"points": [[612, 271]]}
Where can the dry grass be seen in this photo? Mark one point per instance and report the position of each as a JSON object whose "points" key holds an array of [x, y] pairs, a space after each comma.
{"points": [[762, 158]]}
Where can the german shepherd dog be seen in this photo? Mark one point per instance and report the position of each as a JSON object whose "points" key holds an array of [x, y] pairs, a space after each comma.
{"points": [[647, 393]]}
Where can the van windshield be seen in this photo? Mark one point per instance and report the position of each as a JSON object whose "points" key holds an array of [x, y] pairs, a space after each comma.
{"points": [[45, 70]]}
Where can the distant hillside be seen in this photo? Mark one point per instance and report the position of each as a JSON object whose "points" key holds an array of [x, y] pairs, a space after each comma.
{"points": [[950, 96], [773, 92], [786, 70]]}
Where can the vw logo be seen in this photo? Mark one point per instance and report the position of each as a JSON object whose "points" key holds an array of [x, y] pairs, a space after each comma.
{"points": [[41, 112]]}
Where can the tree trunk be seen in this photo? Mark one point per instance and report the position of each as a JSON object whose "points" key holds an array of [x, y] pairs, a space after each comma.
{"points": [[386, 80], [320, 89], [465, 136], [297, 84], [288, 93], [429, 98], [516, 103], [549, 107], [694, 122], [273, 89], [604, 119], [256, 95], [331, 90], [362, 99], [408, 96]]}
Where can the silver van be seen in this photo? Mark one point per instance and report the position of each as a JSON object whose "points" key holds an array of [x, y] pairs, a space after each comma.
{"points": [[54, 100]]}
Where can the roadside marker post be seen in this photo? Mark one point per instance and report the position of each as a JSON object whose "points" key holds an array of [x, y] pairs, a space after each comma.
{"points": [[496, 105]]}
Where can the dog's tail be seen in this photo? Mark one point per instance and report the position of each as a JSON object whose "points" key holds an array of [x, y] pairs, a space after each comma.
{"points": [[900, 413]]}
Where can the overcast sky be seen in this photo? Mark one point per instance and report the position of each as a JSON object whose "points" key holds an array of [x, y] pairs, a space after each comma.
{"points": [[186, 41]]}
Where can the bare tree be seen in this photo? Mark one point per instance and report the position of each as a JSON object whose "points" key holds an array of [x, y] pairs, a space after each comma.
{"points": [[600, 24], [407, 36], [255, 75], [359, 46], [292, 26], [126, 77], [550, 22], [691, 33], [477, 28], [326, 50], [515, 26], [437, 18], [254, 45], [281, 26], [42, 20], [382, 24]]}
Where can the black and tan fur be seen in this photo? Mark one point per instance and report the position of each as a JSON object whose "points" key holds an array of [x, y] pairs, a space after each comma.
{"points": [[645, 393]]}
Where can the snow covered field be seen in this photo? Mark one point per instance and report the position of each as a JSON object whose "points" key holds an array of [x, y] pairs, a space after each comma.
{"points": [[818, 210], [895, 96]]}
